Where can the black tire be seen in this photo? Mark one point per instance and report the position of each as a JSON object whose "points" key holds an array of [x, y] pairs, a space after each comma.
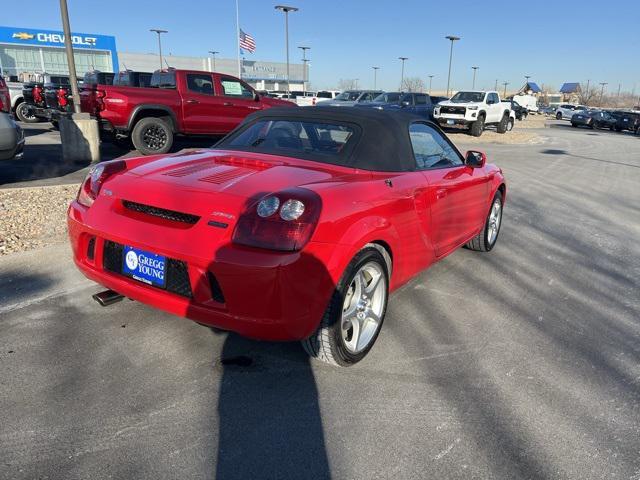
{"points": [[152, 136], [574, 125], [525, 115], [481, 242], [21, 113], [477, 127], [510, 124], [123, 142], [327, 343], [559, 116], [502, 126], [55, 125]]}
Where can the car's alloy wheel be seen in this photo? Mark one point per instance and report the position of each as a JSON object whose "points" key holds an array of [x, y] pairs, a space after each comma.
{"points": [[559, 116], [22, 112], [363, 307], [152, 136], [353, 319], [486, 238]]}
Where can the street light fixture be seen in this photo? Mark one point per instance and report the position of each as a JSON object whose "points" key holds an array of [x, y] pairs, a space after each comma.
{"points": [[159, 32], [213, 54], [475, 69], [430, 81], [375, 77], [453, 38], [402, 74], [286, 10], [305, 79]]}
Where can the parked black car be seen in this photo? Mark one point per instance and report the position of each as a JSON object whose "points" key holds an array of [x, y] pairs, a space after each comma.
{"points": [[626, 121], [417, 103], [520, 112], [34, 94], [593, 119]]}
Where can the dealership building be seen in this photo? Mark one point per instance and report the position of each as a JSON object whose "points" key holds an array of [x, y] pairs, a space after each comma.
{"points": [[24, 51]]}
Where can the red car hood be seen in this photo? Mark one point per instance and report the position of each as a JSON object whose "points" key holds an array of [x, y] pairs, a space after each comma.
{"points": [[225, 181]]}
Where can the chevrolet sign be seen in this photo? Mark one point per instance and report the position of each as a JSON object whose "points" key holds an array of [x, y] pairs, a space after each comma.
{"points": [[56, 38], [23, 35]]}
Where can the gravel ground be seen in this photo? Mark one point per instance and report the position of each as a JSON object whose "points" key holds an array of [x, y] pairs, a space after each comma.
{"points": [[33, 217]]}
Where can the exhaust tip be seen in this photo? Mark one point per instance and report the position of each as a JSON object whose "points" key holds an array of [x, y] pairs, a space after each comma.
{"points": [[108, 297]]}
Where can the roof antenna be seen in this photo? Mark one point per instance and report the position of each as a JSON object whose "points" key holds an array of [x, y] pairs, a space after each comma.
{"points": [[167, 63]]}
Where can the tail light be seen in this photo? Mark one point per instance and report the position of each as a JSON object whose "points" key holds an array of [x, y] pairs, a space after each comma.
{"points": [[98, 174], [282, 221], [37, 94], [100, 95], [5, 104], [62, 97], [313, 102]]}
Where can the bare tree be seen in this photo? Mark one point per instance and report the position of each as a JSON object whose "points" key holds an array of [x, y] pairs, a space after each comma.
{"points": [[347, 84], [413, 84], [587, 94]]}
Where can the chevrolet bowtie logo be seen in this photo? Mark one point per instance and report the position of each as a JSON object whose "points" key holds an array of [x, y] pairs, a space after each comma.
{"points": [[23, 35]]}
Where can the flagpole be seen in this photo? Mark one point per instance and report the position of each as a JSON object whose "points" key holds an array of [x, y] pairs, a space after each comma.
{"points": [[238, 37]]}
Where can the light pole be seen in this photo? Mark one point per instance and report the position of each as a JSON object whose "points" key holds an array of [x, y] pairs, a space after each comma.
{"points": [[286, 10], [430, 81], [213, 54], [159, 32], [496, 87], [75, 94], [475, 69], [375, 77], [602, 84], [403, 59], [453, 38], [505, 88], [356, 82], [304, 67]]}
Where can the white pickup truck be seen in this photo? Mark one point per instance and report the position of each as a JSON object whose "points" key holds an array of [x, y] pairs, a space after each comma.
{"points": [[475, 110]]}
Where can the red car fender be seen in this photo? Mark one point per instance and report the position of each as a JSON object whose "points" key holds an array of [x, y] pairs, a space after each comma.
{"points": [[373, 229]]}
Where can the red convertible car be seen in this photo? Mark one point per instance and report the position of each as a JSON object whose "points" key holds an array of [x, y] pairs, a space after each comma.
{"points": [[295, 226]]}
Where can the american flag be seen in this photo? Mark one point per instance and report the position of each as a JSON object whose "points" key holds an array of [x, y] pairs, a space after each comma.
{"points": [[247, 42]]}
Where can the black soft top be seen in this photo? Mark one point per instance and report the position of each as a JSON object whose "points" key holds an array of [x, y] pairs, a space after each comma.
{"points": [[382, 142]]}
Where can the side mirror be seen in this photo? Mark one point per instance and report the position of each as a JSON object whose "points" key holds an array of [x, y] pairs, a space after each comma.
{"points": [[256, 96], [475, 159]]}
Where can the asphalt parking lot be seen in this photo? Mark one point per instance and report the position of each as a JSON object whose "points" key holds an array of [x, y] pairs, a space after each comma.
{"points": [[520, 363]]}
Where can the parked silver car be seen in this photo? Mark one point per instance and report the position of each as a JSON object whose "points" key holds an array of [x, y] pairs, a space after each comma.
{"points": [[11, 138], [349, 98]]}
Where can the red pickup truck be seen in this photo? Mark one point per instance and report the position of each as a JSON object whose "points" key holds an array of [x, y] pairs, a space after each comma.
{"points": [[178, 102]]}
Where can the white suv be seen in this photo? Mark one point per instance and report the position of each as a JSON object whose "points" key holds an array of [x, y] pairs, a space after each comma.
{"points": [[474, 110], [566, 111]]}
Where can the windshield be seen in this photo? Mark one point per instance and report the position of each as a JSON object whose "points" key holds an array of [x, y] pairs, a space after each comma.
{"points": [[347, 96], [318, 140], [388, 97], [464, 97]]}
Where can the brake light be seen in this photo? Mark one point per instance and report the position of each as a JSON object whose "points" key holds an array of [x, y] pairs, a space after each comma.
{"points": [[100, 96], [62, 97], [37, 94], [282, 221], [98, 174]]}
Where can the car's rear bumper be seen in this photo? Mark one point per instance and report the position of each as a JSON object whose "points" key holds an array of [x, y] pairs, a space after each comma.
{"points": [[256, 293]]}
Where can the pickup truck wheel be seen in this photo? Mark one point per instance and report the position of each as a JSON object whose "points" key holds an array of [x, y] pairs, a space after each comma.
{"points": [[23, 114], [486, 239], [510, 124], [559, 116], [504, 122], [477, 127], [152, 136], [355, 313]]}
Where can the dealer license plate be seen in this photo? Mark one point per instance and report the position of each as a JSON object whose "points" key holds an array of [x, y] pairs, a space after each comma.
{"points": [[451, 122], [146, 267]]}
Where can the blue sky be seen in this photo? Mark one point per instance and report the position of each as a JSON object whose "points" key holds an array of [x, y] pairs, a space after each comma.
{"points": [[552, 41]]}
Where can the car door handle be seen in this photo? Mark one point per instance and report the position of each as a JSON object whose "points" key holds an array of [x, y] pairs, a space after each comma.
{"points": [[192, 101], [228, 104]]}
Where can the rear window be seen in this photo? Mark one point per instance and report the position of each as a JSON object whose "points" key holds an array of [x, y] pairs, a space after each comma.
{"points": [[325, 142], [323, 95], [163, 80]]}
